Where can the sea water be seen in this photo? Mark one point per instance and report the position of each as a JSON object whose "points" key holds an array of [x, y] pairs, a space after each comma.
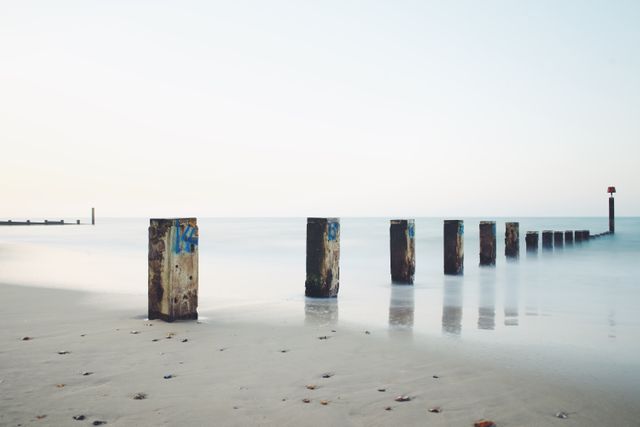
{"points": [[575, 309]]}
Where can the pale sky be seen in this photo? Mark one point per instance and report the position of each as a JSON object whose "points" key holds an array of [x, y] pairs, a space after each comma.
{"points": [[341, 108]]}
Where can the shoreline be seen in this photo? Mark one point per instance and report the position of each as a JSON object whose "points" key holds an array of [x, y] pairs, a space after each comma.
{"points": [[234, 371]]}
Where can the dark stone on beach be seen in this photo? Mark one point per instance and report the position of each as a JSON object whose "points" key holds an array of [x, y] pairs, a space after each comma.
{"points": [[185, 340], [435, 410], [327, 375], [402, 398], [168, 376], [324, 337], [388, 408], [98, 423], [284, 351], [27, 338], [484, 423], [87, 373], [155, 340], [562, 415], [305, 400], [64, 352], [436, 377], [140, 396], [79, 417], [367, 332], [382, 389]]}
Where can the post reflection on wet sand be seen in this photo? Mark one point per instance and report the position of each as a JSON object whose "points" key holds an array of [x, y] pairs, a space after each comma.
{"points": [[487, 300], [511, 291], [401, 307], [452, 305], [321, 311]]}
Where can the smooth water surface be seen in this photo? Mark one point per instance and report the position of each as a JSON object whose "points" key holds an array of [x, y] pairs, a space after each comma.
{"points": [[575, 307]]}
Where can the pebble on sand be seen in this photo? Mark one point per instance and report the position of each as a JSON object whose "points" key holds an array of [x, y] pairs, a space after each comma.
{"points": [[134, 332], [79, 417], [403, 398], [484, 423], [306, 400], [27, 338], [168, 376], [562, 415], [60, 385], [87, 373], [324, 402], [327, 375], [64, 352], [139, 396], [435, 410], [382, 389], [98, 423], [311, 386]]}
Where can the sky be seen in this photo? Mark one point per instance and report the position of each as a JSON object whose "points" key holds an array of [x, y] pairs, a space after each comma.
{"points": [[319, 108]]}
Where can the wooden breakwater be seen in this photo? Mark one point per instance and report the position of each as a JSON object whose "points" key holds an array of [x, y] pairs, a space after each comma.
{"points": [[50, 222]]}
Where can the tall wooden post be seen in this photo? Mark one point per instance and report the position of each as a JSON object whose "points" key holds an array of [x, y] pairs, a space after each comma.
{"points": [[531, 240], [547, 239], [612, 217], [558, 239], [403, 250], [93, 216], [512, 240], [568, 238], [323, 257], [173, 269], [487, 243], [453, 246]]}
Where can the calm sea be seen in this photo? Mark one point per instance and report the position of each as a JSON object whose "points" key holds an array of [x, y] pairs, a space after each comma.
{"points": [[574, 311]]}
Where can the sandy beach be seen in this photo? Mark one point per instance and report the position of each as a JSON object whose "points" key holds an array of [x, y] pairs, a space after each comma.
{"points": [[225, 370]]}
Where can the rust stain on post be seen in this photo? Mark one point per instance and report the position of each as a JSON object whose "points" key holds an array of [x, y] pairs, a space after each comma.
{"points": [[403, 250], [512, 240], [173, 269], [487, 243], [453, 246], [323, 257]]}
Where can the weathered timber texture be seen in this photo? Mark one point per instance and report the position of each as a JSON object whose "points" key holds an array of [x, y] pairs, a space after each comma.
{"points": [[558, 239], [173, 269], [323, 257], [453, 246], [531, 241], [487, 243], [403, 250], [612, 216], [93, 216], [568, 237], [547, 239], [512, 240]]}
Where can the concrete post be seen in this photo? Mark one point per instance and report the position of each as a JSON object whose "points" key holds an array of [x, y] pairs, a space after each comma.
{"points": [[531, 240], [512, 240], [558, 239], [568, 238], [93, 216], [323, 257], [453, 246], [487, 243], [547, 239], [403, 250], [173, 269]]}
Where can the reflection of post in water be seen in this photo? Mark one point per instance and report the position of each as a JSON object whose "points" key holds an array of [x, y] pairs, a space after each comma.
{"points": [[487, 301], [452, 305], [512, 284], [321, 312], [401, 307]]}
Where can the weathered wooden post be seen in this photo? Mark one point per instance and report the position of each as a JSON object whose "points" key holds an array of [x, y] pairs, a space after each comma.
{"points": [[568, 238], [78, 221], [403, 250], [579, 236], [531, 240], [173, 269], [612, 219], [586, 235], [512, 240], [453, 246], [93, 216], [547, 239], [558, 239], [487, 243], [323, 257]]}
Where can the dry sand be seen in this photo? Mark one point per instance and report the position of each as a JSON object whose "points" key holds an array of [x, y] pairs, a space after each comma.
{"points": [[241, 373]]}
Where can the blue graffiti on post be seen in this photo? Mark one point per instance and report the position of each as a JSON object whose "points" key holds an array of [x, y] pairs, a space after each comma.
{"points": [[332, 234], [412, 231], [185, 241]]}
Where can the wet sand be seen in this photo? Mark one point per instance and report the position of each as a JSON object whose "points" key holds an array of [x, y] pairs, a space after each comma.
{"points": [[227, 370]]}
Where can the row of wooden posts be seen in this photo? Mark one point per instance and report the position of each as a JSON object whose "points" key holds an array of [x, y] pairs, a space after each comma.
{"points": [[173, 257]]}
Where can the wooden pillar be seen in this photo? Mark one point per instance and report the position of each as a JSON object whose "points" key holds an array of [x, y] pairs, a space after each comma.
{"points": [[93, 216], [487, 243], [323, 257], [568, 238], [512, 240], [558, 239], [612, 219], [547, 239], [173, 269], [531, 240], [78, 221], [403, 250], [453, 246]]}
